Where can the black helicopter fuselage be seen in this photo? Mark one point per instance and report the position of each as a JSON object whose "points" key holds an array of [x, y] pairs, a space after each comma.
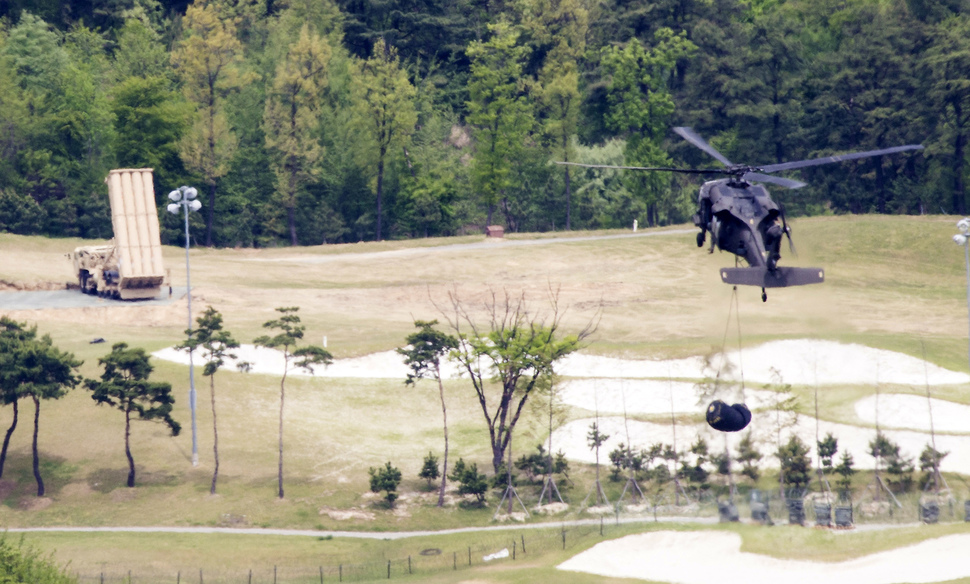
{"points": [[742, 219]]}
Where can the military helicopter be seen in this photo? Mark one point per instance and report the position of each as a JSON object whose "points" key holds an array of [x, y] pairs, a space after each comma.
{"points": [[743, 219]]}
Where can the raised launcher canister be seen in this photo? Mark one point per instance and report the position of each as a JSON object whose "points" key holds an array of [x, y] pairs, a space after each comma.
{"points": [[130, 267]]}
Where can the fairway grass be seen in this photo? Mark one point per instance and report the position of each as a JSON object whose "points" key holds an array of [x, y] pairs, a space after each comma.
{"points": [[225, 557], [894, 283]]}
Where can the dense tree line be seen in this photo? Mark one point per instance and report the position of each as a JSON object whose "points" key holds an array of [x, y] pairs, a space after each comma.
{"points": [[308, 122]]}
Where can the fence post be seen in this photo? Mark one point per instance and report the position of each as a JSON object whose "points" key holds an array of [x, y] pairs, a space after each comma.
{"points": [[178, 577], [340, 573], [409, 565], [564, 537], [129, 576], [523, 543], [200, 576], [388, 569], [513, 549], [102, 577], [469, 555], [456, 560], [321, 574], [250, 576], [274, 574], [601, 525]]}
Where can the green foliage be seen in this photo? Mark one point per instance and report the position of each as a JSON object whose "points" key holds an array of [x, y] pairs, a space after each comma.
{"points": [[86, 87], [425, 349], [22, 564], [827, 448], [125, 385], [929, 463], [386, 114], [520, 350], [215, 345], [289, 333], [429, 470], [386, 479], [292, 119], [470, 481], [540, 463], [796, 465], [150, 119], [749, 457], [500, 110], [845, 470], [889, 456], [694, 465]]}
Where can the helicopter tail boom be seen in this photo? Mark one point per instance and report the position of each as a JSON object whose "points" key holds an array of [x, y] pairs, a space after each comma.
{"points": [[777, 278]]}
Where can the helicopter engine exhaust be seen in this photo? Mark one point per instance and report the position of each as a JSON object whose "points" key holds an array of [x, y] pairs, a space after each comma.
{"points": [[777, 278]]}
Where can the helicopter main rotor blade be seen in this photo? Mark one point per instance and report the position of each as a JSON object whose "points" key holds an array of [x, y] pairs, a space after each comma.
{"points": [[785, 182], [838, 158], [692, 137], [660, 168]]}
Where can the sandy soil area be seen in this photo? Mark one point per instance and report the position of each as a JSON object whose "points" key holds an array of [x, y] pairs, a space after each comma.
{"points": [[614, 386], [800, 362], [796, 361], [913, 412], [706, 557]]}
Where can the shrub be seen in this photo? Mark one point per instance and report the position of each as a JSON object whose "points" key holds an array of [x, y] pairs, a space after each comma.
{"points": [[430, 471], [385, 479], [20, 564]]}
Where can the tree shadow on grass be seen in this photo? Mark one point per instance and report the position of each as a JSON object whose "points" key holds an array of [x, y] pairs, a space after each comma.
{"points": [[105, 480], [18, 475]]}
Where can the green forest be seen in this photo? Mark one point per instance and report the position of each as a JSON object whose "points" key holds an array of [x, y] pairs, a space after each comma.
{"points": [[304, 122]]}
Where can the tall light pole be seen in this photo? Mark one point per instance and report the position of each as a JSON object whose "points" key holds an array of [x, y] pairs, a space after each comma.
{"points": [[185, 197], [962, 239]]}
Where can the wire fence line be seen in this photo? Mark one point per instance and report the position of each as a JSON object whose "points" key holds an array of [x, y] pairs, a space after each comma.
{"points": [[491, 548], [512, 543]]}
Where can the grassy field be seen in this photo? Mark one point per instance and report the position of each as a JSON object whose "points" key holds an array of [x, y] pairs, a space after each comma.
{"points": [[895, 283]]}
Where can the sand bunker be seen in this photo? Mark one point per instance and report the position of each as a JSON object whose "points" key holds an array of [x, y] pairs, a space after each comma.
{"points": [[646, 396], [706, 557], [571, 439], [800, 362], [913, 412]]}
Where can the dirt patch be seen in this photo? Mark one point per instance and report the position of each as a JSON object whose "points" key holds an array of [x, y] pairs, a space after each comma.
{"points": [[76, 490], [8, 286], [123, 494], [6, 488], [35, 503], [514, 516], [345, 514], [552, 509]]}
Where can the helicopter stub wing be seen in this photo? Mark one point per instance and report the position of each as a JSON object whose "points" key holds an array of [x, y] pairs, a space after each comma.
{"points": [[777, 278]]}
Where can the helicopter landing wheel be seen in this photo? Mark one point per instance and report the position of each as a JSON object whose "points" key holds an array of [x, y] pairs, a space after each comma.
{"points": [[764, 295]]}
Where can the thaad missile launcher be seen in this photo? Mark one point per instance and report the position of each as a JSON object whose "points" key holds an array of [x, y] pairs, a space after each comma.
{"points": [[130, 267]]}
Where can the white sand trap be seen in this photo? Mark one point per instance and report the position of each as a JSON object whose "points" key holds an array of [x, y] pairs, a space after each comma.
{"points": [[571, 439], [912, 412], [715, 557], [800, 362], [384, 365], [645, 396]]}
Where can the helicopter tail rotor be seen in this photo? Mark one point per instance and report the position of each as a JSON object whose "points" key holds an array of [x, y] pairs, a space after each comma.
{"points": [[786, 229]]}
